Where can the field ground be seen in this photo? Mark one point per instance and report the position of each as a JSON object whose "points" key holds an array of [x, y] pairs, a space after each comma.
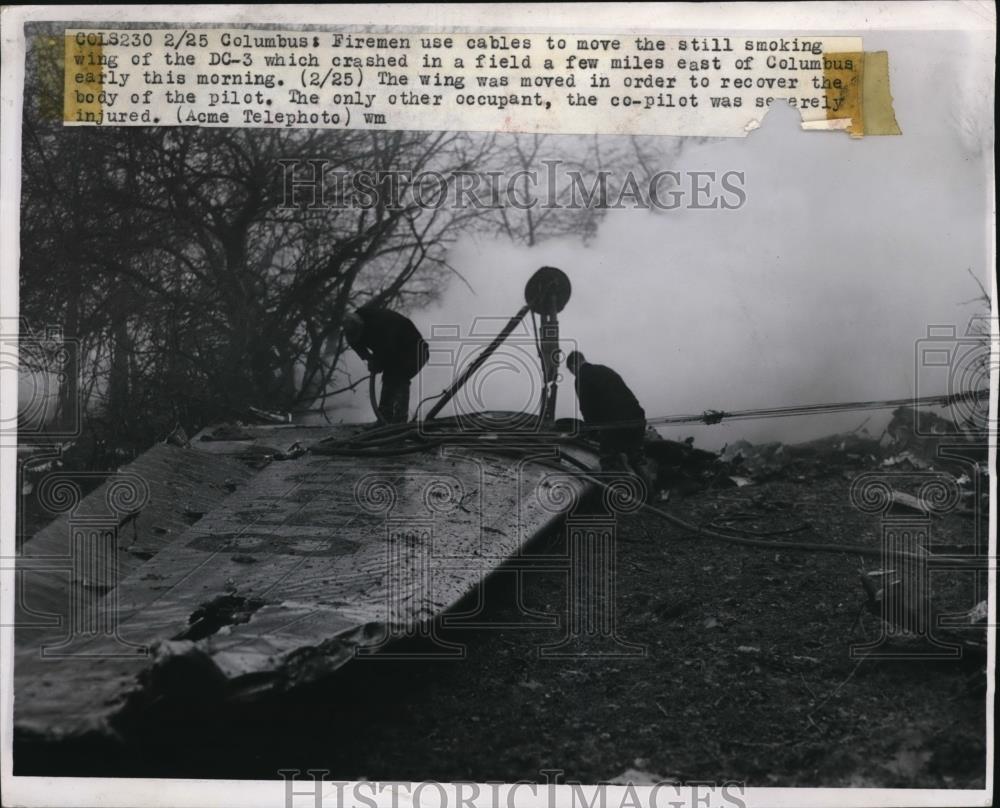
{"points": [[746, 675]]}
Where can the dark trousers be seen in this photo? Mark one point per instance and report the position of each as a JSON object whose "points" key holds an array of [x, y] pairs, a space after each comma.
{"points": [[394, 401], [622, 449], [623, 452]]}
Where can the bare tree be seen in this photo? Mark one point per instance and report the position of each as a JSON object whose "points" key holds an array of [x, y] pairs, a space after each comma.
{"points": [[197, 290]]}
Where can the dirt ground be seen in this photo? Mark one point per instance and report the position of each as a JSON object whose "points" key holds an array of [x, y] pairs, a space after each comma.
{"points": [[744, 673]]}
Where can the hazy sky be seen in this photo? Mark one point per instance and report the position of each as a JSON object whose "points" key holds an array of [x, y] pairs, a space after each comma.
{"points": [[815, 291]]}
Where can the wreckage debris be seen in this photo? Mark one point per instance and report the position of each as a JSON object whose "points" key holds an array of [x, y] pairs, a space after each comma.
{"points": [[903, 609], [907, 503], [225, 610], [683, 468], [227, 620], [178, 437], [227, 432], [909, 443], [813, 460], [905, 461]]}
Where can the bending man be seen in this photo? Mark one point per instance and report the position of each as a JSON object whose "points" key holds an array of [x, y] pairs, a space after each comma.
{"points": [[391, 345], [605, 399]]}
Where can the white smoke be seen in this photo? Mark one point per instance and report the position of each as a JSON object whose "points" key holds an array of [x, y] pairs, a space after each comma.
{"points": [[815, 291]]}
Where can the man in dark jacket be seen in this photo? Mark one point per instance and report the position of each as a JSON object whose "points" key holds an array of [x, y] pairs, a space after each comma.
{"points": [[391, 345], [606, 399]]}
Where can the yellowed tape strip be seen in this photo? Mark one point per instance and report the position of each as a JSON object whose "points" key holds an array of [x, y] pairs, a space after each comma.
{"points": [[857, 91], [879, 117], [82, 81]]}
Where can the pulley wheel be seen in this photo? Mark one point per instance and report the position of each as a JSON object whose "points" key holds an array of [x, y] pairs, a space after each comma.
{"points": [[548, 287]]}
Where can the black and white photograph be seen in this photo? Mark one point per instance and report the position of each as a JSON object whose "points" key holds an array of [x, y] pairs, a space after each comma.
{"points": [[537, 404]]}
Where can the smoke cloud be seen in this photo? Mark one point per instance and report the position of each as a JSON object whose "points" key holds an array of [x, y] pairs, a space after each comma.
{"points": [[816, 290]]}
